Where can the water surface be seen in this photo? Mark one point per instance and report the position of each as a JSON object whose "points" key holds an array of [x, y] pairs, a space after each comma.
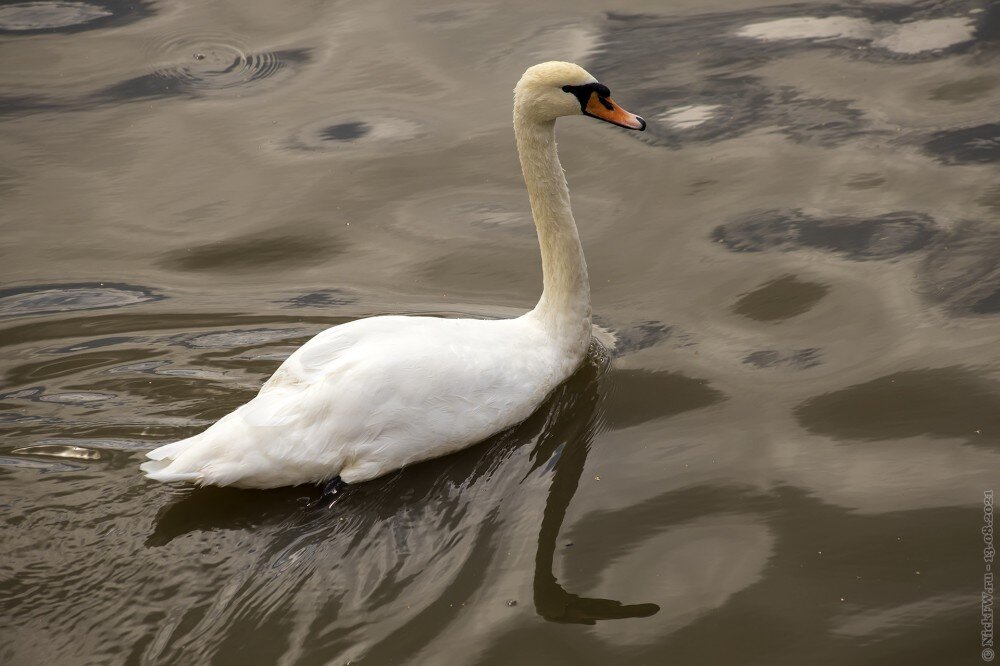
{"points": [[780, 461]]}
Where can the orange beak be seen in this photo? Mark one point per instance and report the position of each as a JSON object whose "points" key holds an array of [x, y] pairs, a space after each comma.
{"points": [[604, 108]]}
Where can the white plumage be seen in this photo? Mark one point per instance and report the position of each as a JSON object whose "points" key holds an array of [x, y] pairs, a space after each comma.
{"points": [[370, 396]]}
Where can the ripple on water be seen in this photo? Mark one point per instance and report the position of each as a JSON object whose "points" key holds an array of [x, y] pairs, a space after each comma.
{"points": [[236, 338], [62, 16], [510, 215], [715, 108], [961, 271], [59, 451], [646, 334], [866, 181], [464, 213], [857, 238], [901, 38], [39, 394], [49, 298], [886, 621], [149, 367], [693, 75], [85, 345], [94, 446], [360, 128], [205, 64], [84, 398], [41, 466], [690, 115]]}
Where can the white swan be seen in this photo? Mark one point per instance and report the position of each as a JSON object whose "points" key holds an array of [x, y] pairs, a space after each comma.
{"points": [[370, 396]]}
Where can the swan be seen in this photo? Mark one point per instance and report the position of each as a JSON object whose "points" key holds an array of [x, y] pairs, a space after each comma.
{"points": [[373, 395]]}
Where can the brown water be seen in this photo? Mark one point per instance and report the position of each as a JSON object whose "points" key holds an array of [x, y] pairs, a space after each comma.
{"points": [[782, 462]]}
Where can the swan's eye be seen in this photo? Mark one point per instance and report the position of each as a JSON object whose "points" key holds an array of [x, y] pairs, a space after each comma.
{"points": [[586, 91]]}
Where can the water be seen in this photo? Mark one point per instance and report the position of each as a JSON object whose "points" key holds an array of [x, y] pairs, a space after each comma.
{"points": [[782, 461]]}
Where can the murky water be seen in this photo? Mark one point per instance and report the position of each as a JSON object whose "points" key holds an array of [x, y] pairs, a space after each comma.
{"points": [[782, 461]]}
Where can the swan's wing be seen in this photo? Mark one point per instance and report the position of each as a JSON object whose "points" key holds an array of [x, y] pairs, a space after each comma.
{"points": [[405, 378], [281, 399], [315, 359]]}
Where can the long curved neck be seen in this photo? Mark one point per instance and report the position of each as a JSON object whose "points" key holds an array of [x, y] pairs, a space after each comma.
{"points": [[564, 308]]}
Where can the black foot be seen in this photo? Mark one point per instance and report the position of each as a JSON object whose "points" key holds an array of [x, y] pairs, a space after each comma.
{"points": [[333, 490]]}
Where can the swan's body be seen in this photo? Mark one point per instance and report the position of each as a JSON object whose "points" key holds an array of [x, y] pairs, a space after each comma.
{"points": [[370, 396]]}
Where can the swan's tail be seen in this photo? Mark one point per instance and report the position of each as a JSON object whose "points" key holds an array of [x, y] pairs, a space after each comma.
{"points": [[237, 449], [228, 453], [163, 464]]}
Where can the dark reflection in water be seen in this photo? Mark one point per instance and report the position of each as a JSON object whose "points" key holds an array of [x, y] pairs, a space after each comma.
{"points": [[942, 402], [965, 90], [346, 131], [877, 237], [254, 252], [210, 508], [959, 269], [979, 144], [19, 105], [324, 298], [798, 359], [27, 18], [780, 299], [636, 396], [991, 199], [552, 601]]}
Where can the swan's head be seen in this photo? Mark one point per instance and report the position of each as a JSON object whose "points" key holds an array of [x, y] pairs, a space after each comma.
{"points": [[553, 89]]}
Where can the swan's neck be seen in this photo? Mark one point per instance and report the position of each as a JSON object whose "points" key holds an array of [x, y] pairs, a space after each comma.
{"points": [[564, 308]]}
